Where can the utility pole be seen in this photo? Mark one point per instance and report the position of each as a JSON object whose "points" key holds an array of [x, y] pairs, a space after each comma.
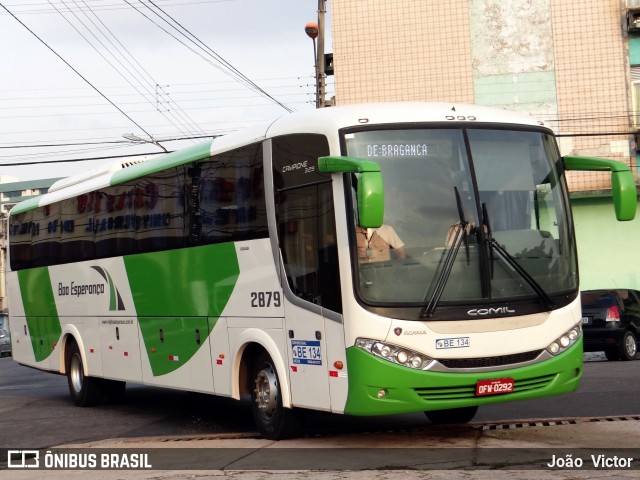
{"points": [[316, 30], [320, 80]]}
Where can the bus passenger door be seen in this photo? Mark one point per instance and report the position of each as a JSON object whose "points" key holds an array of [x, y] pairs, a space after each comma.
{"points": [[305, 229], [307, 358]]}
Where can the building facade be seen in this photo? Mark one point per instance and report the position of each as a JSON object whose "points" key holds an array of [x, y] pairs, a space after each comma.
{"points": [[573, 65]]}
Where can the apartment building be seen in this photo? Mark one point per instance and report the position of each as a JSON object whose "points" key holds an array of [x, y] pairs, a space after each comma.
{"points": [[573, 65]]}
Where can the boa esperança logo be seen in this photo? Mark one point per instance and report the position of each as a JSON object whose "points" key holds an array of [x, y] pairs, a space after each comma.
{"points": [[75, 289]]}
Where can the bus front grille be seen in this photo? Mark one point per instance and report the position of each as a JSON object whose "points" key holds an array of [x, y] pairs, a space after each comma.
{"points": [[490, 361], [460, 392]]}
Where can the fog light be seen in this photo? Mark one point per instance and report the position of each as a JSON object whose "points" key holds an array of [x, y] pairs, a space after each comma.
{"points": [[382, 393]]}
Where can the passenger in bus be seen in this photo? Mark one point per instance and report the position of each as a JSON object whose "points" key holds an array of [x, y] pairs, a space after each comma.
{"points": [[376, 244]]}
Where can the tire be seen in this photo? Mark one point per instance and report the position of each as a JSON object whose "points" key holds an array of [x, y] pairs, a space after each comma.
{"points": [[628, 347], [272, 420], [451, 416], [85, 391]]}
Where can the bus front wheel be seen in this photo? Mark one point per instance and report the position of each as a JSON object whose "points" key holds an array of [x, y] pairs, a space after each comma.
{"points": [[453, 415], [85, 391], [273, 420]]}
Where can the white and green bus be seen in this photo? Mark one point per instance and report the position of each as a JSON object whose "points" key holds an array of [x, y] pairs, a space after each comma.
{"points": [[232, 267]]}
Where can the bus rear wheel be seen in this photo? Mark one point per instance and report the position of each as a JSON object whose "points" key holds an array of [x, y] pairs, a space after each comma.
{"points": [[273, 420], [85, 391], [453, 415]]}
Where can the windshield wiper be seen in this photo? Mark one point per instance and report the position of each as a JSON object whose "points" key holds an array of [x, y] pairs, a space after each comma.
{"points": [[462, 234], [488, 237], [546, 301]]}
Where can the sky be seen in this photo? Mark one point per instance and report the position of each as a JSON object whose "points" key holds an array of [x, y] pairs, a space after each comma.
{"points": [[158, 69]]}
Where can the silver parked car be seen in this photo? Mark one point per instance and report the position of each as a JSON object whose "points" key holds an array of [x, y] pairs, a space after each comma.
{"points": [[5, 343]]}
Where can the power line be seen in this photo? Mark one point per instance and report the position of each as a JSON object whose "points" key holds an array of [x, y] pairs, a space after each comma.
{"points": [[75, 160], [109, 7], [123, 142], [181, 113], [75, 71], [224, 66], [91, 32]]}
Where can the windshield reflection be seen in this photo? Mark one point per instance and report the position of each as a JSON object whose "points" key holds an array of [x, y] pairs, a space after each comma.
{"points": [[476, 215]]}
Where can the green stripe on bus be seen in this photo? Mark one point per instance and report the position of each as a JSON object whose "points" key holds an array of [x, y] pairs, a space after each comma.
{"points": [[172, 342], [187, 282], [29, 204], [40, 309], [176, 291], [162, 162]]}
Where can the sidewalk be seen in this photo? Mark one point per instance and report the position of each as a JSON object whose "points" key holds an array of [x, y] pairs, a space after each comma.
{"points": [[514, 450]]}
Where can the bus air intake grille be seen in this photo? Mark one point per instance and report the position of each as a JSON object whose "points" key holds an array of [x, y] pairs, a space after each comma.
{"points": [[490, 361], [462, 392]]}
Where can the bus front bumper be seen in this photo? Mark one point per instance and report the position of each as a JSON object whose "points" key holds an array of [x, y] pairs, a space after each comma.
{"points": [[379, 387]]}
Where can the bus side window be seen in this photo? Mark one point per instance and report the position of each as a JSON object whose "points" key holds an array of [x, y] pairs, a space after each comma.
{"points": [[305, 218], [230, 197]]}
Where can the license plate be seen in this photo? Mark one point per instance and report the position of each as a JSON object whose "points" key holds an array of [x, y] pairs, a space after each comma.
{"points": [[306, 352], [497, 386], [586, 320]]}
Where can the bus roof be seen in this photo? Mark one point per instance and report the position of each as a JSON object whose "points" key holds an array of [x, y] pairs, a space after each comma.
{"points": [[325, 121]]}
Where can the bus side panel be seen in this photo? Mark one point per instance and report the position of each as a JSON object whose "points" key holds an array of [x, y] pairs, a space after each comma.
{"points": [[338, 377], [22, 349], [119, 346], [34, 296], [176, 352], [221, 358]]}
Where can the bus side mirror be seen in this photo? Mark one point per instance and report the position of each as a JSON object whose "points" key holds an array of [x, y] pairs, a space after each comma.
{"points": [[623, 185], [370, 189]]}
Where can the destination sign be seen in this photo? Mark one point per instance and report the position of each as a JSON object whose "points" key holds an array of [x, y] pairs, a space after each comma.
{"points": [[397, 150]]}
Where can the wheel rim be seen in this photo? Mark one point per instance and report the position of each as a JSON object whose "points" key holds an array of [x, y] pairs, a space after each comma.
{"points": [[630, 344], [266, 391], [75, 373]]}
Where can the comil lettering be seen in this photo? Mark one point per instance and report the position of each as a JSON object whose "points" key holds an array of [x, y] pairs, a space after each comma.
{"points": [[474, 312]]}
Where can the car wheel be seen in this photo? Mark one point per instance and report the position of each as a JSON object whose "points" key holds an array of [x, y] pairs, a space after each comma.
{"points": [[85, 391], [628, 347], [453, 415], [273, 420]]}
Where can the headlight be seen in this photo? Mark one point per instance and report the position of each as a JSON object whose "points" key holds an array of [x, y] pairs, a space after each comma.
{"points": [[565, 341], [394, 353]]}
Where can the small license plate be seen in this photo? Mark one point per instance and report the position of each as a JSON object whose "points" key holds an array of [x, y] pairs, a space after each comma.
{"points": [[497, 386], [306, 352], [586, 320], [459, 342]]}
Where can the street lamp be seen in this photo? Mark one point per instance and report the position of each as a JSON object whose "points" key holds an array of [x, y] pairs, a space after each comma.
{"points": [[134, 138], [316, 30], [312, 31]]}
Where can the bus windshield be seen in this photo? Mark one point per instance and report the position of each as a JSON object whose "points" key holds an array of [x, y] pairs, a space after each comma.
{"points": [[472, 216]]}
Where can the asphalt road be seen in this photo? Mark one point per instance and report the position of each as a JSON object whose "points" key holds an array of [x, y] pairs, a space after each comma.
{"points": [[36, 410]]}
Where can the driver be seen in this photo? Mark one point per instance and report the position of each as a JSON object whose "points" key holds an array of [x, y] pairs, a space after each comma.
{"points": [[375, 244]]}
